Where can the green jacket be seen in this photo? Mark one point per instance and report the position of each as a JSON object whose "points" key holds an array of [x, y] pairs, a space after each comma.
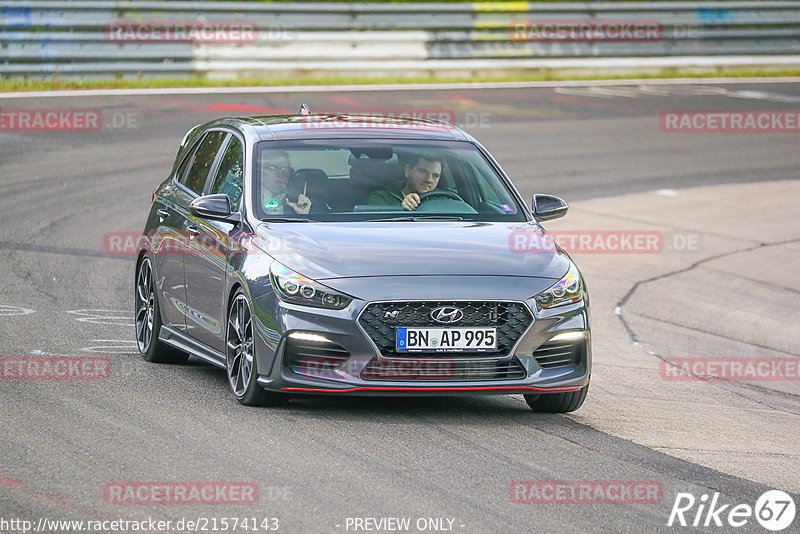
{"points": [[386, 197]]}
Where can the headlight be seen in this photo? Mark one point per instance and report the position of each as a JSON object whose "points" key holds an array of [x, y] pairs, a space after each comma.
{"points": [[566, 291], [297, 289]]}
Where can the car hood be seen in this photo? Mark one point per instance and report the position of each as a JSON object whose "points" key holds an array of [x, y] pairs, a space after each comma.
{"points": [[325, 250]]}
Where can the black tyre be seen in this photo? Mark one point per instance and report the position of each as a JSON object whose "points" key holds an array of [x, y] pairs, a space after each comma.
{"points": [[148, 319], [563, 402], [241, 365]]}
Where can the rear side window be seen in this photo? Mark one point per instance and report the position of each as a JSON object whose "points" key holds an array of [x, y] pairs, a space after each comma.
{"points": [[203, 159], [181, 172], [230, 173]]}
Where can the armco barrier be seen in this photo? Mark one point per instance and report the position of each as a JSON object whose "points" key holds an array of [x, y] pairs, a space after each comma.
{"points": [[127, 39]]}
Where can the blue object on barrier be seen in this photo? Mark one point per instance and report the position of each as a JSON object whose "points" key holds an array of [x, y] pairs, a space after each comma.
{"points": [[16, 16]]}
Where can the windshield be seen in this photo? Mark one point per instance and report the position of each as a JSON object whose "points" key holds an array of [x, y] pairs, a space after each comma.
{"points": [[357, 179]]}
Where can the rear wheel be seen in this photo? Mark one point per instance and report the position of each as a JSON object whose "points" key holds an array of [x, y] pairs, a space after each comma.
{"points": [[148, 320], [562, 402], [241, 362]]}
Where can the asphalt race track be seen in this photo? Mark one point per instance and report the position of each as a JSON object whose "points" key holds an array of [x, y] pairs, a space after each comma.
{"points": [[318, 463]]}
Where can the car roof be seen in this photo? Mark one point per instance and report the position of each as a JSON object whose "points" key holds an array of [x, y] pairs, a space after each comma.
{"points": [[316, 126]]}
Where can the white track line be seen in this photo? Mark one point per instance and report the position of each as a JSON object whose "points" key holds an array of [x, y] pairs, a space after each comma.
{"points": [[386, 87]]}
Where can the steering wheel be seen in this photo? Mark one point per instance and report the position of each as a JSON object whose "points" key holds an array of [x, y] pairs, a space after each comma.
{"points": [[439, 193]]}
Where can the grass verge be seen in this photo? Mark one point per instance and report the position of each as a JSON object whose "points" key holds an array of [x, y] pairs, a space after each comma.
{"points": [[10, 85]]}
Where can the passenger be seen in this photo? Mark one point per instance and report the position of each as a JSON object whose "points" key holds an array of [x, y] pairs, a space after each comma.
{"points": [[275, 173], [422, 175]]}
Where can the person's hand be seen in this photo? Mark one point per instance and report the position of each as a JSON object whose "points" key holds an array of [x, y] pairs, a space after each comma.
{"points": [[411, 202], [303, 204]]}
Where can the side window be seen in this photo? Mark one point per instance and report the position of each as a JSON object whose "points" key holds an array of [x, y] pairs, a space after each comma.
{"points": [[195, 179], [230, 174], [181, 172]]}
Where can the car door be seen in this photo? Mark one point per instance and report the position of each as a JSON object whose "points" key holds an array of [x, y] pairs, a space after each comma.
{"points": [[169, 247], [185, 189], [206, 263]]}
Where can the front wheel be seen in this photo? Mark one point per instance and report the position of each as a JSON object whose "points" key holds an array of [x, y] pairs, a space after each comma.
{"points": [[562, 402], [240, 356]]}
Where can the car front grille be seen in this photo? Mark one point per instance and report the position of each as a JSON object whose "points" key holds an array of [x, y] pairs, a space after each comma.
{"points": [[443, 370], [381, 319]]}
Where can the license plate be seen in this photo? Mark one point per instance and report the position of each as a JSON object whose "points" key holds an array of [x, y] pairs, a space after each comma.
{"points": [[446, 339]]}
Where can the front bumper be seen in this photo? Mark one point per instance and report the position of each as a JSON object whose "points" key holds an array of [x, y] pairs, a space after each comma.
{"points": [[538, 362]]}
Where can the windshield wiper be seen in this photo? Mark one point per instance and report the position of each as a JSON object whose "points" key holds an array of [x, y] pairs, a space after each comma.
{"points": [[285, 220], [417, 218]]}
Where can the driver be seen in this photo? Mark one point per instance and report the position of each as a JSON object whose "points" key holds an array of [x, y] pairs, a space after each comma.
{"points": [[422, 175]]}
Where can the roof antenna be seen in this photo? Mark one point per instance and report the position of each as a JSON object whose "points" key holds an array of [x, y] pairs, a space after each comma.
{"points": [[304, 110]]}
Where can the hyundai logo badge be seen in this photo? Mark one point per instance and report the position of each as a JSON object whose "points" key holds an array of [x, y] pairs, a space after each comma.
{"points": [[447, 314]]}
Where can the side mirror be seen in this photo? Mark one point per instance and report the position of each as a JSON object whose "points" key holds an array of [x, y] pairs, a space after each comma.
{"points": [[217, 207], [547, 207]]}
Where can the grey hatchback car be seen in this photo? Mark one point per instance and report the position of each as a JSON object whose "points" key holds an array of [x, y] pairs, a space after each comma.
{"points": [[358, 255]]}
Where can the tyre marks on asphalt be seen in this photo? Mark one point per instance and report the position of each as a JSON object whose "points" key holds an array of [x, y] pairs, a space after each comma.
{"points": [[95, 316], [113, 346], [7, 311], [101, 316], [635, 91], [52, 249]]}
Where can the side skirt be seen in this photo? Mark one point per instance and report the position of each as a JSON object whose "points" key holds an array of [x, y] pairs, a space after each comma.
{"points": [[181, 341]]}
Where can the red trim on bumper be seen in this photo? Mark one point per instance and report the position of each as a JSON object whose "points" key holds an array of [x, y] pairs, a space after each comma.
{"points": [[570, 388]]}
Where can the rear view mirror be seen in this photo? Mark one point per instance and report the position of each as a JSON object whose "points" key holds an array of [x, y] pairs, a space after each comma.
{"points": [[547, 207], [212, 207], [374, 152]]}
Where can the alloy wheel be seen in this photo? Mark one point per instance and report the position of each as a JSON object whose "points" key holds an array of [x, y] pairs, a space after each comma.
{"points": [[240, 345], [145, 305]]}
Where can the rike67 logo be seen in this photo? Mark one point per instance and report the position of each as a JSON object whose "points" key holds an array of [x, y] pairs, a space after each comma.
{"points": [[774, 510]]}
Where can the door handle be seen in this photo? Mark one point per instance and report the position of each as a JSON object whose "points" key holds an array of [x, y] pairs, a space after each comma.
{"points": [[163, 214], [193, 231]]}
